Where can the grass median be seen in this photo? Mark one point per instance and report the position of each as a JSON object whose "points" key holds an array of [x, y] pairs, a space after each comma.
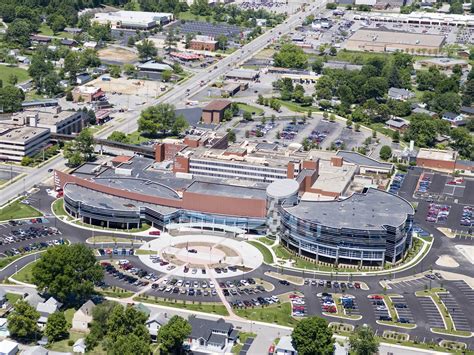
{"points": [[25, 274], [210, 307], [275, 313], [17, 210], [267, 254]]}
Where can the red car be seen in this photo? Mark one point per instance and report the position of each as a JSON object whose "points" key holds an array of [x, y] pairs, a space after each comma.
{"points": [[376, 297], [154, 233]]}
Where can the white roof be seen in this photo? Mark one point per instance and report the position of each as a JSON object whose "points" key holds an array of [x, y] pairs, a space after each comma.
{"points": [[7, 346], [138, 17], [285, 344]]}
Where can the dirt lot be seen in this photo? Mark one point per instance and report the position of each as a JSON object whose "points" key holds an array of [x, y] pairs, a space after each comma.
{"points": [[117, 55], [130, 87]]}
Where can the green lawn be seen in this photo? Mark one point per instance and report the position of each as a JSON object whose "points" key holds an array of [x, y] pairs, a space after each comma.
{"points": [[68, 314], [293, 106], [215, 308], [25, 274], [278, 314], [116, 293], [137, 138], [248, 108], [13, 297], [267, 255], [243, 336], [16, 210], [45, 30], [58, 207], [266, 240], [6, 71], [188, 16], [62, 345]]}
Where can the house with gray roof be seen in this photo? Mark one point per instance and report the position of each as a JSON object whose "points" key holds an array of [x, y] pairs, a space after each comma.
{"points": [[47, 308], [400, 94], [155, 322], [83, 316], [211, 336]]}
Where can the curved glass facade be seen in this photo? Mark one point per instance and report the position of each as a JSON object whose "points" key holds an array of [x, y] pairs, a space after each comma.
{"points": [[318, 241]]}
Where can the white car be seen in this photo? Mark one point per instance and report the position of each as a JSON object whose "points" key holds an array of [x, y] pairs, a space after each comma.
{"points": [[275, 299], [211, 284], [244, 282], [381, 308], [179, 283], [168, 289]]}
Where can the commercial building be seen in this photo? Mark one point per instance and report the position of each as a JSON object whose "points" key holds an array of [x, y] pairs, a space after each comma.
{"points": [[153, 66], [201, 182], [213, 112], [442, 63], [137, 20], [436, 159], [370, 228], [243, 74], [420, 18], [203, 43], [383, 40], [52, 118], [17, 142], [87, 93]]}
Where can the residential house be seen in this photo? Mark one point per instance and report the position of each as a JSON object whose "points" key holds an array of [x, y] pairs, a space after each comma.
{"points": [[90, 45], [34, 299], [47, 308], [211, 336], [424, 111], [285, 347], [155, 322], [456, 119], [79, 346], [83, 316], [467, 111], [68, 42], [81, 79], [73, 30], [400, 94], [397, 124]]}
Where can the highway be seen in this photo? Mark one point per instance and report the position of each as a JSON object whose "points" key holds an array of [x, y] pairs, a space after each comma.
{"points": [[178, 94]]}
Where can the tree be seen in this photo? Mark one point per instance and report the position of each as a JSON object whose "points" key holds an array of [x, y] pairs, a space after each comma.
{"points": [[180, 124], [118, 136], [22, 321], [125, 321], [129, 69], [247, 116], [11, 98], [98, 326], [231, 136], [166, 75], [172, 334], [129, 345], [159, 118], [228, 114], [81, 148], [57, 23], [100, 32], [188, 38], [56, 327], [170, 40], [19, 32], [312, 336], [12, 79], [317, 66], [396, 136], [385, 152], [363, 341], [290, 56], [40, 67], [115, 71], [68, 273], [463, 142], [332, 51], [222, 42], [146, 50], [456, 7], [51, 84]]}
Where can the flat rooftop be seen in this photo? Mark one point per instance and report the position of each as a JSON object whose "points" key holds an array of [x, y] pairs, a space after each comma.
{"points": [[220, 189], [105, 201], [397, 37], [334, 178], [371, 210], [142, 186], [436, 154], [360, 159], [20, 134]]}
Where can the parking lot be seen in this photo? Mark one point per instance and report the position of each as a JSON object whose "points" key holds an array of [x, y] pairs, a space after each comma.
{"points": [[432, 316], [402, 310], [456, 311]]}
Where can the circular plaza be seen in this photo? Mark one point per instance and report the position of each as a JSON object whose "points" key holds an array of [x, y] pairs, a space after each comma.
{"points": [[200, 256]]}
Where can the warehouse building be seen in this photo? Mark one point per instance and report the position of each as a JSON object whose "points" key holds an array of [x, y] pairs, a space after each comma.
{"points": [[383, 40], [137, 20]]}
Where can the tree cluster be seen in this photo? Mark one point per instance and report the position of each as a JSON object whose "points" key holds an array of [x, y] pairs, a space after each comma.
{"points": [[68, 273], [290, 56], [162, 119], [289, 92]]}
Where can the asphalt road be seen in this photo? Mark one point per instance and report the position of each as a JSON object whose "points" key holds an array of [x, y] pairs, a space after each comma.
{"points": [[177, 94]]}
